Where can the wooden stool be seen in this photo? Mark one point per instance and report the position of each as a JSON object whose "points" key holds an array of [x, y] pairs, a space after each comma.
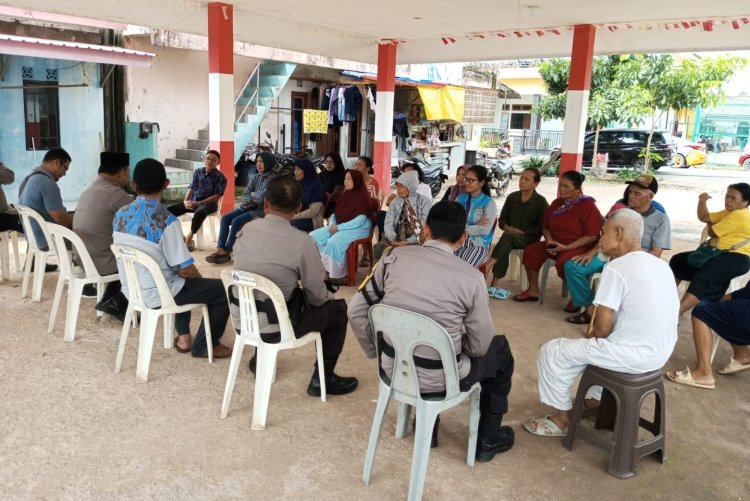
{"points": [[620, 411]]}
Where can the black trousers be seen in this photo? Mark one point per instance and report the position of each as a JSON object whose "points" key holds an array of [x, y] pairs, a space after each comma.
{"points": [[329, 319], [712, 280], [199, 215], [493, 371], [10, 222], [209, 291]]}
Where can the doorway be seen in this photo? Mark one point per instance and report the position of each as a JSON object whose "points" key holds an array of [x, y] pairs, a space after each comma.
{"points": [[299, 103]]}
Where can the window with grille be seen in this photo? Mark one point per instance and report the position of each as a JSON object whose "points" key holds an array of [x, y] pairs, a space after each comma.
{"points": [[42, 116]]}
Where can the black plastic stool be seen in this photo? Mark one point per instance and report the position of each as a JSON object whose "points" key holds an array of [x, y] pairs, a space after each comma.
{"points": [[620, 411]]}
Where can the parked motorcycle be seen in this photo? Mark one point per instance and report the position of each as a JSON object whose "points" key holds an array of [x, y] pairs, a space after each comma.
{"points": [[432, 174], [499, 174], [503, 151]]}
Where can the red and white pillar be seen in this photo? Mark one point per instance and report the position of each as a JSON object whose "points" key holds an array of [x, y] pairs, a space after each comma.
{"points": [[221, 92], [579, 85], [384, 114]]}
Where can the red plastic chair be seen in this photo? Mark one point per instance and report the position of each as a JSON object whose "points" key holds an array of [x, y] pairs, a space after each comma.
{"points": [[352, 257]]}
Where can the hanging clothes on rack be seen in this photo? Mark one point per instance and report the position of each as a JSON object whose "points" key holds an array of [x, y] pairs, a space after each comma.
{"points": [[352, 103]]}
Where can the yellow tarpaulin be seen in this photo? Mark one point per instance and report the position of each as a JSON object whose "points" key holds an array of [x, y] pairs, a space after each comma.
{"points": [[443, 103], [314, 121]]}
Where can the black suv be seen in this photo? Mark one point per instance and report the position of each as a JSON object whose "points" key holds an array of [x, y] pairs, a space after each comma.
{"points": [[624, 145]]}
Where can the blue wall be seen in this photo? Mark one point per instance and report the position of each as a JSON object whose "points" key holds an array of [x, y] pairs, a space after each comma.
{"points": [[81, 122]]}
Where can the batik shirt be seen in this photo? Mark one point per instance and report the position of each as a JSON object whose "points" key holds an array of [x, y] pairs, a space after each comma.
{"points": [[148, 226], [207, 184]]}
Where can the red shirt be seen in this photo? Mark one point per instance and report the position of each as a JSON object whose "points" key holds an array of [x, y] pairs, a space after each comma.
{"points": [[580, 220]]}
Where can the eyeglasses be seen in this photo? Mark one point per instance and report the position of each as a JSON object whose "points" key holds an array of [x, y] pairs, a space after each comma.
{"points": [[470, 180]]}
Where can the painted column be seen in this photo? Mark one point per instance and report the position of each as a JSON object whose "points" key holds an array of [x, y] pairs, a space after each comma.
{"points": [[384, 114], [579, 84], [221, 93]]}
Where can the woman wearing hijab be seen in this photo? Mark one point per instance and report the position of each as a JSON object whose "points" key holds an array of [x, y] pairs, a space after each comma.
{"points": [[404, 221], [332, 179], [310, 216], [251, 208], [352, 220], [460, 187]]}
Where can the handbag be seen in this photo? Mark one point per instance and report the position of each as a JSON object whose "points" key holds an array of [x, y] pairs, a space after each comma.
{"points": [[249, 205], [297, 305], [703, 254], [706, 252]]}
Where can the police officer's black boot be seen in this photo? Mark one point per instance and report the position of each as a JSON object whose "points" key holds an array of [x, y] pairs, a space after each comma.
{"points": [[335, 384], [493, 438]]}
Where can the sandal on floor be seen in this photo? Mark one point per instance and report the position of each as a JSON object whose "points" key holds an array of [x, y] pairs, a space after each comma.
{"points": [[686, 378], [501, 293], [570, 308], [525, 297], [543, 427], [180, 350], [491, 291], [733, 366], [580, 319]]}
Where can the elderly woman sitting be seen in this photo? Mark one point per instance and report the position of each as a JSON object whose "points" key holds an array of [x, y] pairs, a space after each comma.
{"points": [[729, 230], [571, 227], [406, 215]]}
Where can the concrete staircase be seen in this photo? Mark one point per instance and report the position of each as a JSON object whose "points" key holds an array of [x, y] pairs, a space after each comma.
{"points": [[273, 77]]}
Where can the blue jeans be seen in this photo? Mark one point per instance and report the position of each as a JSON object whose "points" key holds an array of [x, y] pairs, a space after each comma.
{"points": [[231, 223], [577, 277]]}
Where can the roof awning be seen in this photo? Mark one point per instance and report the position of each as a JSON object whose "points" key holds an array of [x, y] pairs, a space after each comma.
{"points": [[56, 49], [503, 91]]}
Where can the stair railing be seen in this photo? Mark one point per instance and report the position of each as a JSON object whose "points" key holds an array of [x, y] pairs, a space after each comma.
{"points": [[254, 97]]}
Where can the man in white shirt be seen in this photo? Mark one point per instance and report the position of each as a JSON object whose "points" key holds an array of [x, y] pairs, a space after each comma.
{"points": [[634, 328]]}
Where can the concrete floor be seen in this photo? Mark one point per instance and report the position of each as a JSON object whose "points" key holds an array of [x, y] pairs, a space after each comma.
{"points": [[72, 429]]}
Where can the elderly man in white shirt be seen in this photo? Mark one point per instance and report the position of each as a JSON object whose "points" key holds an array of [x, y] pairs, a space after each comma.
{"points": [[634, 328]]}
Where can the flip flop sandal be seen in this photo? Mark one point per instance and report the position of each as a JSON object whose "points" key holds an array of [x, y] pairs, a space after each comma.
{"points": [[525, 297], [580, 319], [180, 350], [543, 427], [501, 294], [686, 378], [733, 366], [491, 291]]}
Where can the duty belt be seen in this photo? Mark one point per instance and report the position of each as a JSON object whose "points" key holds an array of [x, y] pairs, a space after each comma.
{"points": [[424, 363]]}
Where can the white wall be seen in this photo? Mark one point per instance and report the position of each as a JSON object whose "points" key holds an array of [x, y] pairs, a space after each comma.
{"points": [[174, 91]]}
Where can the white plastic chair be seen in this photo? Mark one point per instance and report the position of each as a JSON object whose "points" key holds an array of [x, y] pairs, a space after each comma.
{"points": [[6, 239], [213, 220], [407, 330], [76, 277], [131, 257], [549, 263], [243, 285], [34, 255], [516, 268]]}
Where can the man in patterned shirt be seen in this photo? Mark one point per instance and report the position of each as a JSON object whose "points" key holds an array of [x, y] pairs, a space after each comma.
{"points": [[147, 226], [203, 194]]}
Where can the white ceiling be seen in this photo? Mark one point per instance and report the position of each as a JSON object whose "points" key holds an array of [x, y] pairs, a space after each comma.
{"points": [[440, 30]]}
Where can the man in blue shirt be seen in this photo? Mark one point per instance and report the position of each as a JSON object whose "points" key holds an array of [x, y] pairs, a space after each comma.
{"points": [[147, 226], [39, 191], [203, 194]]}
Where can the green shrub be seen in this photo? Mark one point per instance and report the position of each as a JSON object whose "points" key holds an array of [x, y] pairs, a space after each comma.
{"points": [[533, 161]]}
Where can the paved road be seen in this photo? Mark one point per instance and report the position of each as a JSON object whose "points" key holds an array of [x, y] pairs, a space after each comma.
{"points": [[711, 173]]}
